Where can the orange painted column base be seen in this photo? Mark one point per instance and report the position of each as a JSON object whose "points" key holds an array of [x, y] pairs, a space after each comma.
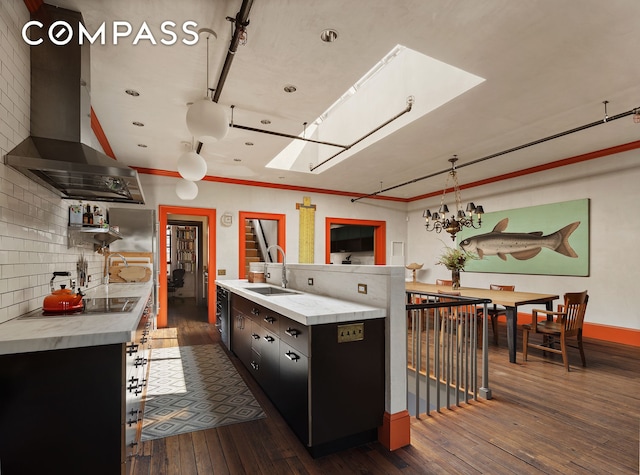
{"points": [[395, 431]]}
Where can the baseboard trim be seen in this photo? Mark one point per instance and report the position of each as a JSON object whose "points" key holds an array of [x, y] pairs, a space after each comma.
{"points": [[395, 431]]}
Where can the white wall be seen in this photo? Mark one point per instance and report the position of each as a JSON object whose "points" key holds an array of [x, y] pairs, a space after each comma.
{"points": [[223, 197], [613, 186]]}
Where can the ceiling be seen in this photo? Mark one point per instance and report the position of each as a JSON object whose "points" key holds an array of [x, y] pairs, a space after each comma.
{"points": [[548, 66]]}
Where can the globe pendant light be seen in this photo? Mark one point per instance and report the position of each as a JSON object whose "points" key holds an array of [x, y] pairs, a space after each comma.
{"points": [[186, 190], [207, 120], [192, 166]]}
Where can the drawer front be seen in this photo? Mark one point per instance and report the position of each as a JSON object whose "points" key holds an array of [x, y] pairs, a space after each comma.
{"points": [[263, 316], [270, 320], [294, 334], [247, 307]]}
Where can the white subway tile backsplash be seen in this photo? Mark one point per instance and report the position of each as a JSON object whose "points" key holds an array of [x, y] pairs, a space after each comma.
{"points": [[33, 221]]}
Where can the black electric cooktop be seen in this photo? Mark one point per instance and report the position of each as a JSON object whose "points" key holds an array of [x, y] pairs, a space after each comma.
{"points": [[93, 306]]}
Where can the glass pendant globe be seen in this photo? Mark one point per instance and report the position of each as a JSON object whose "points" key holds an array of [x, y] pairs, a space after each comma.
{"points": [[207, 121], [186, 190], [192, 166]]}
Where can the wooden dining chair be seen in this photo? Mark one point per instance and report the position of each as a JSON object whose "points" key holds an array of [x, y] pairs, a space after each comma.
{"points": [[493, 311], [563, 324]]}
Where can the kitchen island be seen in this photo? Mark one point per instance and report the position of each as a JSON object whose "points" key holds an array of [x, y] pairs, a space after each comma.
{"points": [[71, 384], [320, 360]]}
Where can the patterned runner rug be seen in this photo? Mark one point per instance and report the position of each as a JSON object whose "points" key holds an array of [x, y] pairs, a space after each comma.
{"points": [[194, 388]]}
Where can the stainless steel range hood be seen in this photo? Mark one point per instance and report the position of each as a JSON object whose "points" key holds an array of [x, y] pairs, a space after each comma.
{"points": [[56, 155]]}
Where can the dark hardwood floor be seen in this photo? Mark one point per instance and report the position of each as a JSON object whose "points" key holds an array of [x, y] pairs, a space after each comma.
{"points": [[541, 420]]}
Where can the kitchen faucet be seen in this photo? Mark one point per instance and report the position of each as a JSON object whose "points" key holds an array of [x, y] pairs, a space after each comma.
{"points": [[284, 264], [105, 279]]}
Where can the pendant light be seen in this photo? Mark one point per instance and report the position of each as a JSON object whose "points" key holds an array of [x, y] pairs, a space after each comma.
{"points": [[186, 190], [459, 219], [191, 165], [207, 120]]}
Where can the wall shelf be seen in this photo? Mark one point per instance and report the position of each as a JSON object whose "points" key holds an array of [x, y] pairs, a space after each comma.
{"points": [[91, 235]]}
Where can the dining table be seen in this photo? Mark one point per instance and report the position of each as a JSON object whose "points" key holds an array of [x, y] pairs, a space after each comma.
{"points": [[511, 300]]}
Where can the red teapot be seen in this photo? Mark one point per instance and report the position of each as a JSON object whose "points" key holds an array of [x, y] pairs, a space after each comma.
{"points": [[63, 300]]}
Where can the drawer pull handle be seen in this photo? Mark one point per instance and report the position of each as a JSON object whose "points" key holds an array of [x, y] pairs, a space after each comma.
{"points": [[269, 338], [131, 349], [270, 320], [292, 332], [255, 336], [254, 365], [292, 356], [140, 361], [255, 311]]}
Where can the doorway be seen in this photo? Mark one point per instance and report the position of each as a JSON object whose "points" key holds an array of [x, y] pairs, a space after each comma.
{"points": [[207, 220], [258, 231], [371, 235], [186, 261]]}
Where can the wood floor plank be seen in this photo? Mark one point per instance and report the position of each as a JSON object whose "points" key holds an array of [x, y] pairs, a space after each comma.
{"points": [[541, 420], [218, 462]]}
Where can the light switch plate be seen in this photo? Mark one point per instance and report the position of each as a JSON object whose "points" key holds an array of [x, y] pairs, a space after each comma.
{"points": [[350, 332], [222, 271], [362, 288]]}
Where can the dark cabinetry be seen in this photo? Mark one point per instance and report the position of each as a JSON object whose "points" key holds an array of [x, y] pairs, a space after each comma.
{"points": [[72, 411], [330, 392], [223, 313]]}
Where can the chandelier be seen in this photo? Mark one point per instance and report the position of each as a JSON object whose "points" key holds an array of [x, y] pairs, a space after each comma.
{"points": [[461, 218]]}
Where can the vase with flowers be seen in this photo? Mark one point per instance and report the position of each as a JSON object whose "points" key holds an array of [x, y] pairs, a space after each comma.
{"points": [[455, 259]]}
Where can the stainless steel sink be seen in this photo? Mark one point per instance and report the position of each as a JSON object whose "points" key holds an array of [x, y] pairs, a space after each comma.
{"points": [[267, 291]]}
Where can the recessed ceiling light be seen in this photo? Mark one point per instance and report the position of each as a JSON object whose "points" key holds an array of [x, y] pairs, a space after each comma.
{"points": [[329, 35], [249, 144], [142, 145], [138, 124], [132, 92], [265, 121], [290, 88]]}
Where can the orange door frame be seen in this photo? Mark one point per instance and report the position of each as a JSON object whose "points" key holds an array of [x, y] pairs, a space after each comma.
{"points": [[242, 247], [164, 212], [379, 237]]}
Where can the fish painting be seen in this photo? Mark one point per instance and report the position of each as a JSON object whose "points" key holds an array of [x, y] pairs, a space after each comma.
{"points": [[521, 246]]}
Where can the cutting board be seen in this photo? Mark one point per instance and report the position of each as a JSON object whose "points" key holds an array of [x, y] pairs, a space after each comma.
{"points": [[139, 269], [135, 274]]}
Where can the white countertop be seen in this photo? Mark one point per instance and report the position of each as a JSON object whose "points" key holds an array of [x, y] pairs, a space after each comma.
{"points": [[305, 307], [41, 333]]}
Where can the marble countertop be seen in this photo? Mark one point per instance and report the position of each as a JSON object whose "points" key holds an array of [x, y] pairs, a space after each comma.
{"points": [[37, 332], [305, 307]]}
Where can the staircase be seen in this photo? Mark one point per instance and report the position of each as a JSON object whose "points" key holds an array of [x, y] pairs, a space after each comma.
{"points": [[252, 250]]}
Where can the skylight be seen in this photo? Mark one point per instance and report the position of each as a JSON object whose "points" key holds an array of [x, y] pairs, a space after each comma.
{"points": [[376, 97]]}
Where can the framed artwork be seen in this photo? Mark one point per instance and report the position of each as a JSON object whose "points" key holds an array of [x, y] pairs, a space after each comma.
{"points": [[550, 239]]}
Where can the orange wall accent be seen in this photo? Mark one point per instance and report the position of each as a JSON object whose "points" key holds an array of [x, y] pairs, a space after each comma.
{"points": [[100, 135], [379, 237], [163, 212], [278, 186], [33, 5], [527, 171], [395, 431], [540, 168], [625, 336], [242, 248]]}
